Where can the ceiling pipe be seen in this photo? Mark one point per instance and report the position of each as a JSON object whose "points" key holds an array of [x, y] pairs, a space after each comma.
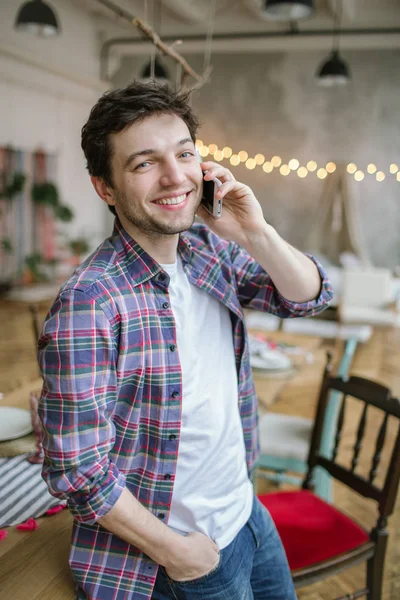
{"points": [[195, 43]]}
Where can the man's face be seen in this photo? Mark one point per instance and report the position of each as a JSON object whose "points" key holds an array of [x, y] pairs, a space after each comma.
{"points": [[157, 176]]}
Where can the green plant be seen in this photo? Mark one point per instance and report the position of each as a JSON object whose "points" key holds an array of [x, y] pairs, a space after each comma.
{"points": [[78, 246], [46, 194], [33, 263], [6, 245], [13, 188], [63, 213]]}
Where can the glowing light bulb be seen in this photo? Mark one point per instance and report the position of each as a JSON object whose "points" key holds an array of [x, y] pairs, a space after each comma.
{"points": [[243, 156], [302, 172], [398, 176], [293, 164], [251, 163], [393, 168], [234, 160], [203, 151], [212, 148], [276, 161], [227, 152], [199, 143], [322, 173], [284, 170], [219, 155], [351, 168], [267, 167], [359, 176], [371, 168], [330, 167], [259, 158], [312, 165], [380, 176]]}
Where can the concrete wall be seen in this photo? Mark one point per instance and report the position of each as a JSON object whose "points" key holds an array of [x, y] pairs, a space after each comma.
{"points": [[269, 103], [47, 88]]}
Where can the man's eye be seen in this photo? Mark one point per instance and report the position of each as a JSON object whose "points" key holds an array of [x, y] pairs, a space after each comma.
{"points": [[186, 154], [142, 165]]}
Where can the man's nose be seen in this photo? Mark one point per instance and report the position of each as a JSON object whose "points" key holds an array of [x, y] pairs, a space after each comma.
{"points": [[172, 174]]}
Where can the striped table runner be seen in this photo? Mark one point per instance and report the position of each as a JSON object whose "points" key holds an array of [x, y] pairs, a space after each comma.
{"points": [[23, 493]]}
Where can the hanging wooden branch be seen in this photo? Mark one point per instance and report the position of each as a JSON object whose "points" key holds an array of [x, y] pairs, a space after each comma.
{"points": [[149, 33]]}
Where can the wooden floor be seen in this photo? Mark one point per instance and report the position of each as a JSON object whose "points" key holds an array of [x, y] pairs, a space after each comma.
{"points": [[33, 566]]}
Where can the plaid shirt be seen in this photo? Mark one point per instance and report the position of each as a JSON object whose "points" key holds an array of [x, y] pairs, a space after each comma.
{"points": [[112, 393]]}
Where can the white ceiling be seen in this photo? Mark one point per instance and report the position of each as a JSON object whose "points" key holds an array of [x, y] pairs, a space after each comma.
{"points": [[241, 19], [188, 17]]}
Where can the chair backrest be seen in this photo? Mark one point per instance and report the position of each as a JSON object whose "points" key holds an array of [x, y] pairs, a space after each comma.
{"points": [[369, 393]]}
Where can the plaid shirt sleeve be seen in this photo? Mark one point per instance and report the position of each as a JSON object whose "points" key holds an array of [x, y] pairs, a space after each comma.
{"points": [[77, 357], [257, 291]]}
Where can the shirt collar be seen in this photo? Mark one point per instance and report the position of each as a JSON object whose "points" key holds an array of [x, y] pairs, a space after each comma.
{"points": [[140, 265]]}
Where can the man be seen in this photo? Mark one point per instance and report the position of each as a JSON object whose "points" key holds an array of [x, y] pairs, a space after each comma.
{"points": [[148, 405]]}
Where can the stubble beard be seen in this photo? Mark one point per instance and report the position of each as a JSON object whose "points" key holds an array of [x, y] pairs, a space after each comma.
{"points": [[151, 227]]}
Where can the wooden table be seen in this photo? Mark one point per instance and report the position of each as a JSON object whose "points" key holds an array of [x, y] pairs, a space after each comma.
{"points": [[269, 386]]}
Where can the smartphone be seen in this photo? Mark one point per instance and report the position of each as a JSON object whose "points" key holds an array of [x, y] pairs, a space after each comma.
{"points": [[211, 203]]}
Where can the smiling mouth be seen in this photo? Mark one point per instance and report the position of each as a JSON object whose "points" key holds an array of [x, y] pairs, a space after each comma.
{"points": [[172, 201]]}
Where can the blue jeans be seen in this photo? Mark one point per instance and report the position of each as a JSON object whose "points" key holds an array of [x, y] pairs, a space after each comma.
{"points": [[252, 567]]}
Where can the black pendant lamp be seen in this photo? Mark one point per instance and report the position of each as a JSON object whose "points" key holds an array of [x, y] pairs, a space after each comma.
{"points": [[288, 10], [334, 71], [38, 18]]}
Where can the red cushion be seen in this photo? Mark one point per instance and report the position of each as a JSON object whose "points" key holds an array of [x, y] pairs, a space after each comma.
{"points": [[311, 529]]}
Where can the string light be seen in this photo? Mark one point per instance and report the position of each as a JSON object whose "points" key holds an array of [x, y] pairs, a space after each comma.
{"points": [[203, 151], [302, 172], [359, 176], [312, 165], [251, 163], [268, 167], [351, 168], [284, 170], [292, 165], [276, 161]]}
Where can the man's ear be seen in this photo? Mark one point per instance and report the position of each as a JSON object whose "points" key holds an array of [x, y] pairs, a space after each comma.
{"points": [[105, 192]]}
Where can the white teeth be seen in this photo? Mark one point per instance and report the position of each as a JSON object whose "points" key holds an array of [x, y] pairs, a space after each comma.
{"points": [[177, 200]]}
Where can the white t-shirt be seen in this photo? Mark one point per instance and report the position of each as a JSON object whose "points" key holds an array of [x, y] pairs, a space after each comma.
{"points": [[212, 491]]}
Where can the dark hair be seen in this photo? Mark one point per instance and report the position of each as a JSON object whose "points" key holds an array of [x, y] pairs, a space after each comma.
{"points": [[117, 109]]}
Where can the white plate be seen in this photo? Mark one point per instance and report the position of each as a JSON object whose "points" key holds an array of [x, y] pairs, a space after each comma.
{"points": [[14, 423]]}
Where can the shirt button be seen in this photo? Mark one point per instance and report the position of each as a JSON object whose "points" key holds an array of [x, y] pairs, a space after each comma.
{"points": [[175, 394], [165, 305], [161, 516], [172, 436], [167, 476], [172, 347], [162, 276]]}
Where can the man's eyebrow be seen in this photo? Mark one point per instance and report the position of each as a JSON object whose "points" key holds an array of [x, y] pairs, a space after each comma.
{"points": [[148, 151]]}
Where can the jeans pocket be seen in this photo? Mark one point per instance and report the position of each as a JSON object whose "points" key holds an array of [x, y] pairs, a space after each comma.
{"points": [[198, 580]]}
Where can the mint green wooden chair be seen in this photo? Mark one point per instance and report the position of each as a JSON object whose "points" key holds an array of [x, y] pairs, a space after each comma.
{"points": [[285, 439]]}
